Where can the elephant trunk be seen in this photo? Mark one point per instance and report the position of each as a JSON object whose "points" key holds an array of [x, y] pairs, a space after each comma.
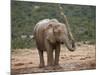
{"points": [[70, 44]]}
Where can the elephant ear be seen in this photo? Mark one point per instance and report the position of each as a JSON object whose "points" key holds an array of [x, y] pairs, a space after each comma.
{"points": [[50, 35], [56, 29], [49, 26]]}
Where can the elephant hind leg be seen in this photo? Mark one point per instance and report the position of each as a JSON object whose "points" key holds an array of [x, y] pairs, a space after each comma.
{"points": [[41, 58]]}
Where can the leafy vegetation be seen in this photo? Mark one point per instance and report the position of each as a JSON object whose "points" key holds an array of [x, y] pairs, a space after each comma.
{"points": [[25, 15]]}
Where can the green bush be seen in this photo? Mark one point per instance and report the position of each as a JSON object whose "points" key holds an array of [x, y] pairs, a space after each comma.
{"points": [[24, 16]]}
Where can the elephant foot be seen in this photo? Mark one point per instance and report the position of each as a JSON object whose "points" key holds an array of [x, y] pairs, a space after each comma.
{"points": [[53, 67], [41, 65], [49, 67], [57, 67]]}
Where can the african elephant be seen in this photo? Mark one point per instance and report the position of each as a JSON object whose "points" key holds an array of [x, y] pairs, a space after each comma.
{"points": [[49, 35]]}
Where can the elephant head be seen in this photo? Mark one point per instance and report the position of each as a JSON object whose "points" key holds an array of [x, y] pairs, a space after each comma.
{"points": [[57, 32], [62, 36]]}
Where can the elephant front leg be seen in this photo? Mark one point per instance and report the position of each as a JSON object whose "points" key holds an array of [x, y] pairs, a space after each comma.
{"points": [[41, 58], [50, 59], [57, 53], [49, 49]]}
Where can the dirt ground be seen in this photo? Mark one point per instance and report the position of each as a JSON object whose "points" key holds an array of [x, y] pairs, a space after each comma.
{"points": [[26, 61]]}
